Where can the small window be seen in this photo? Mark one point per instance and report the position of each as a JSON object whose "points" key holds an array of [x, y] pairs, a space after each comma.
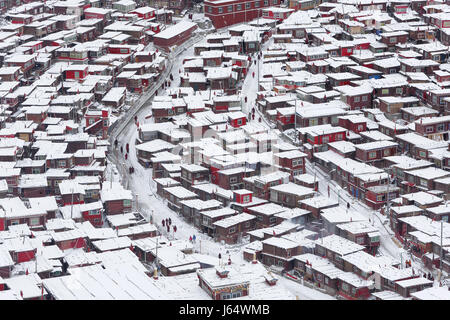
{"points": [[359, 240], [356, 99], [266, 2], [248, 5], [372, 155], [220, 10], [364, 98], [230, 8], [423, 183], [232, 230], [34, 221], [127, 203], [257, 4], [239, 7]]}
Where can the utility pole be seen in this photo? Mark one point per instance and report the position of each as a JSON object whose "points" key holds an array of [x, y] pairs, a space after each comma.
{"points": [[401, 260], [440, 262], [388, 199], [295, 119], [71, 207], [156, 259], [259, 52]]}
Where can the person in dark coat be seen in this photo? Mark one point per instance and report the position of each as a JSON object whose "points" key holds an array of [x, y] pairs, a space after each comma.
{"points": [[121, 149], [348, 205]]}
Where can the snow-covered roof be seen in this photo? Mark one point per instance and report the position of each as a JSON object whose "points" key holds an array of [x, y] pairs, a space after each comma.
{"points": [[180, 192], [338, 244], [112, 244], [433, 293], [234, 220], [175, 30], [338, 215], [319, 202], [292, 188]]}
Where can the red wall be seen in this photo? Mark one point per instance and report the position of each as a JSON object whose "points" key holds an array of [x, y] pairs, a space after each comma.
{"points": [[93, 16], [70, 74], [117, 50], [91, 218], [76, 243], [25, 256], [239, 197], [235, 124]]}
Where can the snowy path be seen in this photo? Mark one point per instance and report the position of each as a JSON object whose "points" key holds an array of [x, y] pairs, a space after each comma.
{"points": [[250, 87]]}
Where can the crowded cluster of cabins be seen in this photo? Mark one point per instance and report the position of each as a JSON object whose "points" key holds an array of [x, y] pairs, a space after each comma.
{"points": [[358, 89], [363, 102]]}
